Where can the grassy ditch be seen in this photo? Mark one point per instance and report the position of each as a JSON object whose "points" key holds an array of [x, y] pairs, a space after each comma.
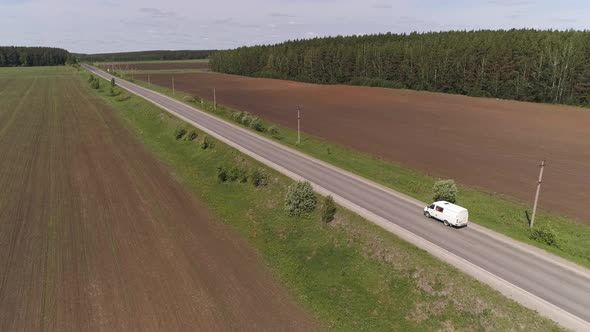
{"points": [[350, 274], [557, 234]]}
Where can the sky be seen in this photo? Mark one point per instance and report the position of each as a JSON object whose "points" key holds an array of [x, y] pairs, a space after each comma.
{"points": [[102, 26]]}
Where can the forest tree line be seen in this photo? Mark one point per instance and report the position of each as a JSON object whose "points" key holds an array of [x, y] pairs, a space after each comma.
{"points": [[12, 56], [528, 65], [146, 56]]}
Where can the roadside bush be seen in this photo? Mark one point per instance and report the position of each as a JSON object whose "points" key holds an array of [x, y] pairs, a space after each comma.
{"points": [[328, 209], [179, 133], [91, 78], [192, 136], [246, 119], [300, 199], [221, 174], [237, 116], [206, 143], [113, 83], [259, 177], [256, 124], [188, 99], [95, 84], [445, 190], [238, 173], [274, 132], [544, 234]]}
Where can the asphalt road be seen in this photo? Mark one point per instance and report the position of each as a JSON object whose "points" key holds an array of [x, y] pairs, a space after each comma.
{"points": [[554, 287]]}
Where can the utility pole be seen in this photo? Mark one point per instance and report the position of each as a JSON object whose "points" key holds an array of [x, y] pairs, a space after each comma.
{"points": [[173, 91], [542, 166], [298, 124], [214, 100]]}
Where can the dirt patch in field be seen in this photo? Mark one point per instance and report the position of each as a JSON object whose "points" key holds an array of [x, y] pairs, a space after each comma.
{"points": [[158, 65], [96, 235], [492, 144]]}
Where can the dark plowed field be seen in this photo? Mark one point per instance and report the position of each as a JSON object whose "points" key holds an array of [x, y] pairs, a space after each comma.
{"points": [[96, 235], [159, 65], [487, 143]]}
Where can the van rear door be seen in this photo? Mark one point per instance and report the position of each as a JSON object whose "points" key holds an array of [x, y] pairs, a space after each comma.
{"points": [[462, 217]]}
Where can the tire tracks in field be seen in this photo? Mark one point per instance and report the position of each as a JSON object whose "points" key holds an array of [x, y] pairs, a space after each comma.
{"points": [[19, 136], [11, 117]]}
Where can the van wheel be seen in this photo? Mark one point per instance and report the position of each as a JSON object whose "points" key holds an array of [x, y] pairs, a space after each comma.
{"points": [[446, 222], [427, 214]]}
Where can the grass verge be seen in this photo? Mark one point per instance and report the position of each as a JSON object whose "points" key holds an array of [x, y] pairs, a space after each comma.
{"points": [[501, 214], [349, 273]]}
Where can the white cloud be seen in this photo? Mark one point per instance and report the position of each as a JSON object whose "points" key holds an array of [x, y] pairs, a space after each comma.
{"points": [[382, 5], [109, 25]]}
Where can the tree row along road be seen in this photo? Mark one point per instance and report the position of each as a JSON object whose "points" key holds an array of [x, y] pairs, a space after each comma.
{"points": [[557, 289]]}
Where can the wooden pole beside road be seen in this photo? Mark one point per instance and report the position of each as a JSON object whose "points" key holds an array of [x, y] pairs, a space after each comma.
{"points": [[298, 124], [542, 166]]}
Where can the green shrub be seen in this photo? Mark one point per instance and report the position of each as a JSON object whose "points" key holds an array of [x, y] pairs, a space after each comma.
{"points": [[238, 173], [237, 117], [91, 78], [246, 119], [179, 133], [328, 209], [221, 174], [243, 175], [256, 124], [206, 143], [544, 234], [192, 136], [95, 84], [445, 190], [113, 83], [188, 99], [274, 132], [300, 199], [260, 177]]}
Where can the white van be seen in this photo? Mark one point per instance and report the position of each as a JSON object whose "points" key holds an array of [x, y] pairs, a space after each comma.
{"points": [[448, 213]]}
